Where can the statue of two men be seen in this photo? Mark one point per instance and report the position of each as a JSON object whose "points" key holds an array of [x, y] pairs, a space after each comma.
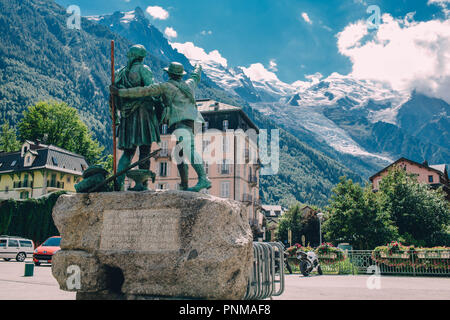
{"points": [[144, 105]]}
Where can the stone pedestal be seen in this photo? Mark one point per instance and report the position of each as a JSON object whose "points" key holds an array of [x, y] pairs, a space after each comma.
{"points": [[152, 245]]}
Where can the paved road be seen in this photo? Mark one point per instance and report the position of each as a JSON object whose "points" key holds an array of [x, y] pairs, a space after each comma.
{"points": [[13, 285], [42, 286], [355, 288]]}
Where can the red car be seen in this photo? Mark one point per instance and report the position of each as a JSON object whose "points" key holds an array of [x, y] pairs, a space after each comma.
{"points": [[44, 253]]}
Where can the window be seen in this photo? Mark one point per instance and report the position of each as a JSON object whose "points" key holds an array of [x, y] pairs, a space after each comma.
{"points": [[13, 163], [162, 186], [3, 243], [206, 126], [26, 244], [13, 243], [225, 167], [206, 166], [164, 129], [163, 169], [28, 159], [6, 189], [225, 189], [225, 125], [430, 179], [55, 161], [52, 242], [68, 179]]}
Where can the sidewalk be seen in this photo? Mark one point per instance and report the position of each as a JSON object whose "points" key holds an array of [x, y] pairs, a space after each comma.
{"points": [[42, 286], [348, 287]]}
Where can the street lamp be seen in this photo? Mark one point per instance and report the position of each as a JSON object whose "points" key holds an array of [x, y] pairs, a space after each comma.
{"points": [[320, 216]]}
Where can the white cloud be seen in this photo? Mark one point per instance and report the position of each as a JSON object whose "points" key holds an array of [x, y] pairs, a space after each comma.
{"points": [[273, 65], [306, 17], [444, 4], [158, 12], [257, 72], [199, 54], [204, 32], [408, 55], [170, 32]]}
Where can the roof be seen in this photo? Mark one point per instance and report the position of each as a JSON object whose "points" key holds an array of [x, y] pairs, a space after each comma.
{"points": [[440, 169], [269, 208], [206, 106], [47, 157]]}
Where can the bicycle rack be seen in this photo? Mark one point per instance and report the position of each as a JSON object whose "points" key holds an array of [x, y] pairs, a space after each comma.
{"points": [[265, 281]]}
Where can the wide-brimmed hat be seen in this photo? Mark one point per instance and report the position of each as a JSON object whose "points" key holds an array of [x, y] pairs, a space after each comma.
{"points": [[176, 69]]}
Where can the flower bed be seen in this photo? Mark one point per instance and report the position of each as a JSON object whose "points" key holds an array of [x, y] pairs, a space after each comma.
{"points": [[397, 255], [328, 254]]}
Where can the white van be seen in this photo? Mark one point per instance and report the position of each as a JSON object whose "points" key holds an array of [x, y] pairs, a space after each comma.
{"points": [[15, 248]]}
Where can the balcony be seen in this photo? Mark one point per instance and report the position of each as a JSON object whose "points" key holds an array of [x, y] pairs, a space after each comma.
{"points": [[253, 180], [23, 185], [247, 198], [164, 153], [54, 185]]}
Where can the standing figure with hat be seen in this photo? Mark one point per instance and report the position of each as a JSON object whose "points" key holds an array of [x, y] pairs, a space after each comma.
{"points": [[138, 125], [181, 113]]}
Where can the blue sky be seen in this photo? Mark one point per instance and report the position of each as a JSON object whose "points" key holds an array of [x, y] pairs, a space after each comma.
{"points": [[299, 36]]}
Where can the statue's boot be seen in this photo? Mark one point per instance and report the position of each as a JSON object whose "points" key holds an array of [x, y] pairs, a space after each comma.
{"points": [[203, 181], [183, 169]]}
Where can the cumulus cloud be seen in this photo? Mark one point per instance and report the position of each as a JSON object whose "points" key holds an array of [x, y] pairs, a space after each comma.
{"points": [[257, 72], [273, 65], [408, 55], [170, 32], [444, 4], [157, 12], [199, 54], [306, 17]]}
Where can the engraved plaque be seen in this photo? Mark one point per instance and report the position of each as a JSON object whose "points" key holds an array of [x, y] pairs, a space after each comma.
{"points": [[140, 230]]}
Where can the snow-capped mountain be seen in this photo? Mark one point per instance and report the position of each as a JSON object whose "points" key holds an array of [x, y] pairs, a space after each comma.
{"points": [[362, 122]]}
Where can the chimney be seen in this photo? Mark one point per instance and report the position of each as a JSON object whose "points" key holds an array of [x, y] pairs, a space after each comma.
{"points": [[216, 106], [425, 163]]}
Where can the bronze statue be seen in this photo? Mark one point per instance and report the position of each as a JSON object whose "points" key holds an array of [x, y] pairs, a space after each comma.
{"points": [[138, 122], [180, 113]]}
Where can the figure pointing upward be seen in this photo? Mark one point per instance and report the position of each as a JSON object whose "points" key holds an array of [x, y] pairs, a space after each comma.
{"points": [[180, 113]]}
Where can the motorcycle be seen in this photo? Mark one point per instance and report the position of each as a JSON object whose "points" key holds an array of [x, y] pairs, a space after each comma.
{"points": [[308, 262]]}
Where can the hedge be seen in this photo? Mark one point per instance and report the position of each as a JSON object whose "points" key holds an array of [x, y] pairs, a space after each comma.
{"points": [[31, 218]]}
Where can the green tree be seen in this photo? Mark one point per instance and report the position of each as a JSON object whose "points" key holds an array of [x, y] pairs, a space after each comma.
{"points": [[8, 139], [421, 214], [356, 216], [107, 163], [59, 125], [291, 220], [310, 228]]}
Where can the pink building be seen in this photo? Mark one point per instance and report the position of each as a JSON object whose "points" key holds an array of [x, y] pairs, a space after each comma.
{"points": [[234, 173], [434, 175]]}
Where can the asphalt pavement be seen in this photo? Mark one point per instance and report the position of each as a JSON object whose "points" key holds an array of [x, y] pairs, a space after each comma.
{"points": [[42, 286]]}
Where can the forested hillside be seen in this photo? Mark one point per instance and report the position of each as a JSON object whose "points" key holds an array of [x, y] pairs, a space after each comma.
{"points": [[41, 59]]}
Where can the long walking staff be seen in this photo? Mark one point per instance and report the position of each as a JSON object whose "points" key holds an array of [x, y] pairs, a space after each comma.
{"points": [[113, 110]]}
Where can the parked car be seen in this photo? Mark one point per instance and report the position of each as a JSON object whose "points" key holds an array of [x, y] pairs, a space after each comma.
{"points": [[15, 248], [44, 253]]}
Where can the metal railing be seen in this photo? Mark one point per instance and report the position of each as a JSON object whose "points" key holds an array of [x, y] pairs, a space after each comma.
{"points": [[430, 263], [267, 275], [22, 184]]}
